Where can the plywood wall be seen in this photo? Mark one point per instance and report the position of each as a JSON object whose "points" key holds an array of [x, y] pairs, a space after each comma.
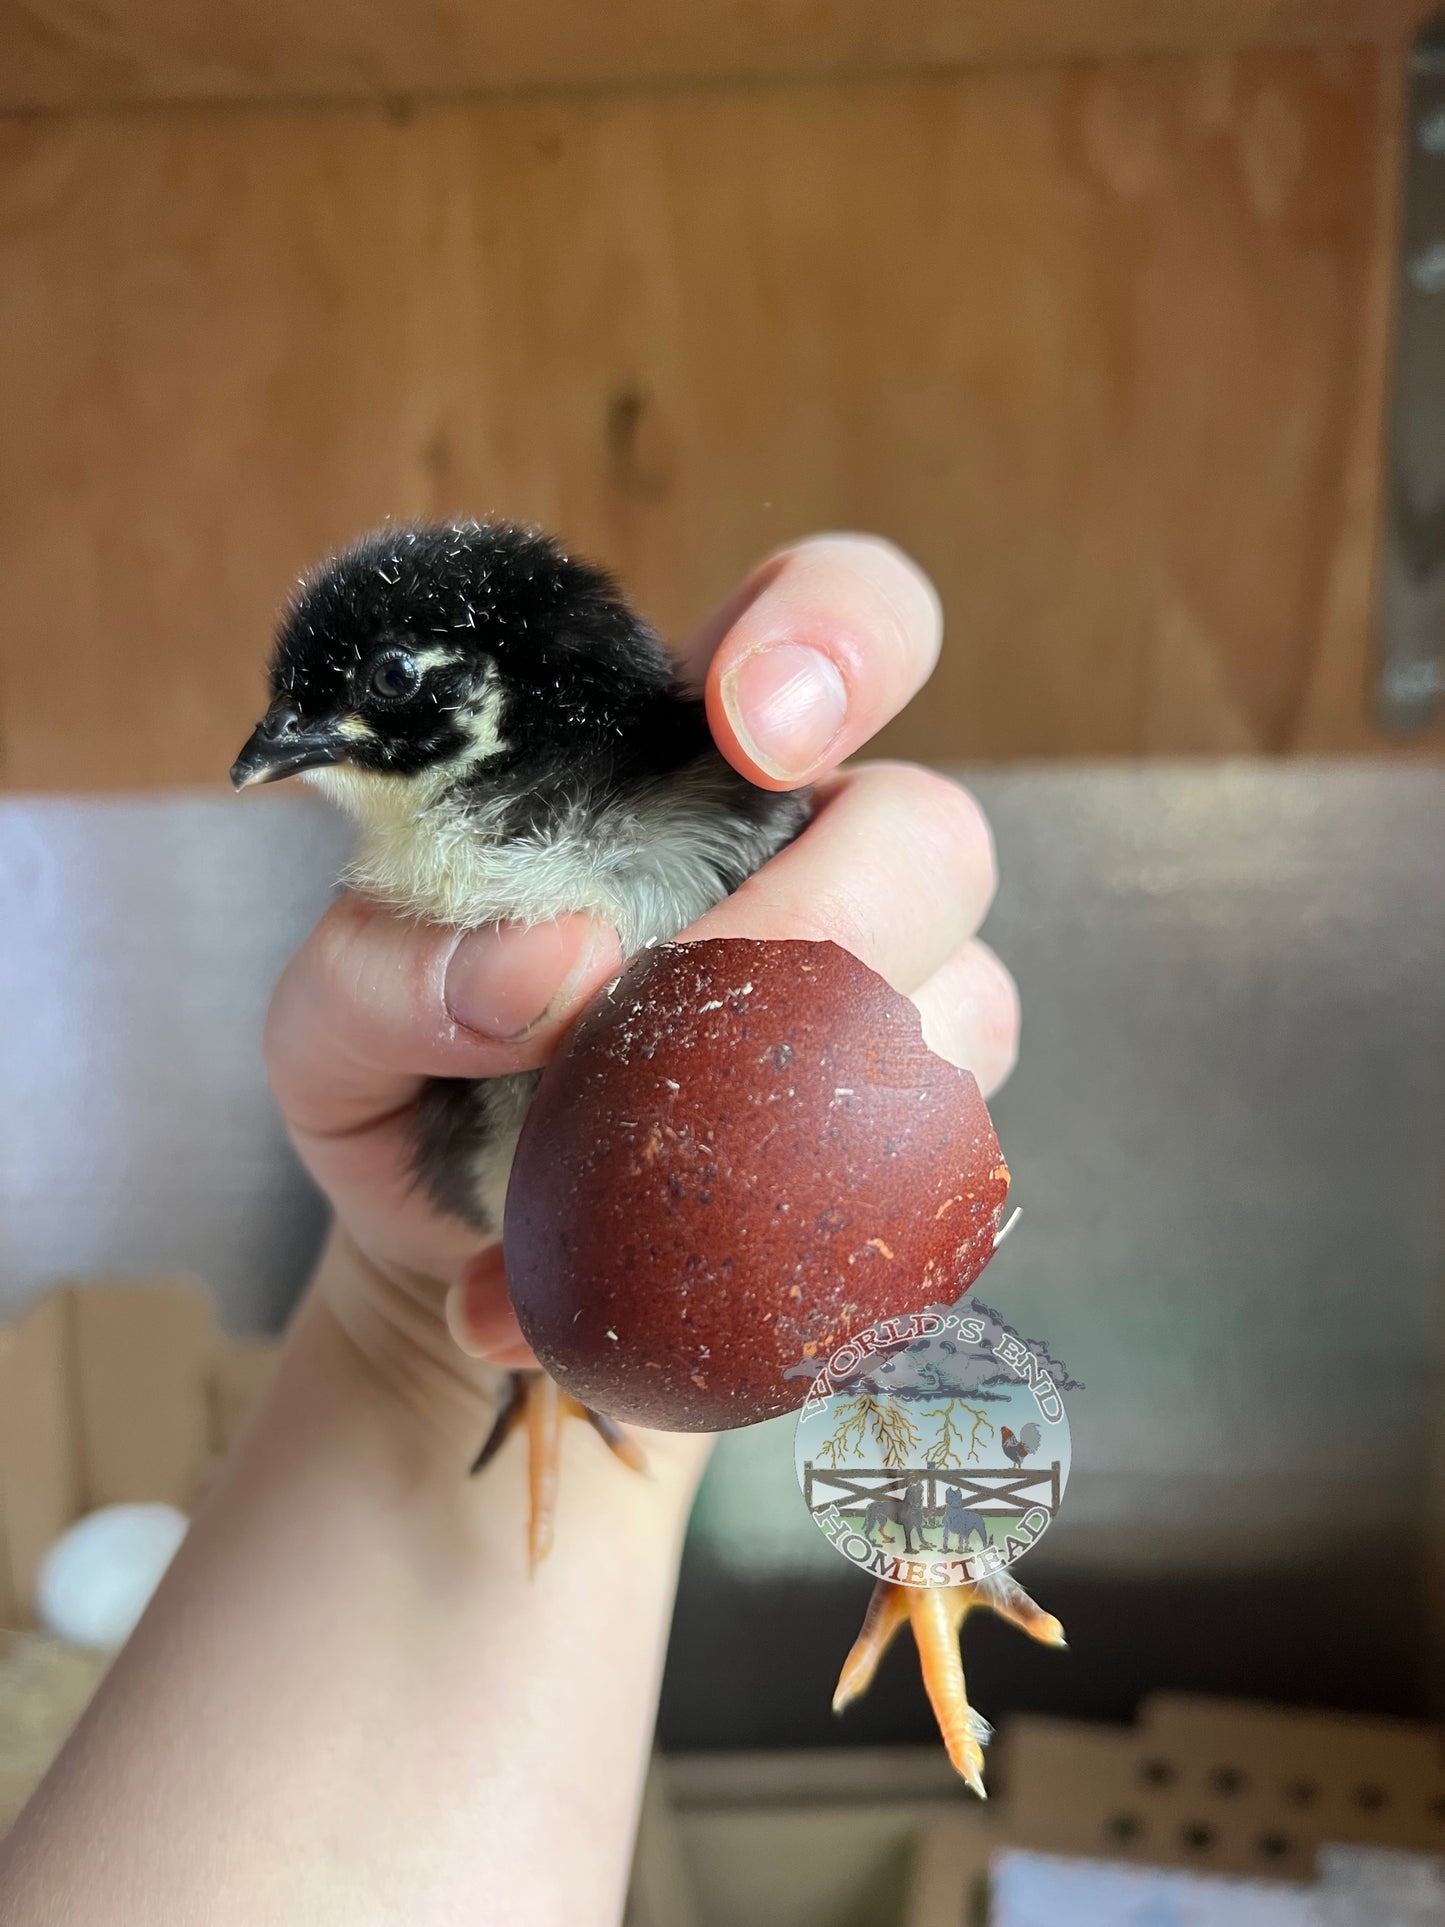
{"points": [[57, 54], [1103, 344]]}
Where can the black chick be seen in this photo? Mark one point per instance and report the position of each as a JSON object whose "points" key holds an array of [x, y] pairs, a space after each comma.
{"points": [[516, 745]]}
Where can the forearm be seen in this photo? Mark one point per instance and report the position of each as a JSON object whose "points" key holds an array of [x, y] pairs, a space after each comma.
{"points": [[351, 1702]]}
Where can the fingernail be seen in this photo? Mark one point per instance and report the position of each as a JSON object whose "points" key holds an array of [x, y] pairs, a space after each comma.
{"points": [[787, 703], [503, 980]]}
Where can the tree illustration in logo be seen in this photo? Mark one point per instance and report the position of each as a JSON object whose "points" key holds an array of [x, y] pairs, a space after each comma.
{"points": [[897, 1436], [961, 1428], [952, 1418], [936, 1388]]}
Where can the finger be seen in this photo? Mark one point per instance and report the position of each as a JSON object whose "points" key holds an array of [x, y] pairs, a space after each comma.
{"points": [[970, 1012], [369, 1174], [372, 1004], [822, 645], [480, 1316], [854, 875]]}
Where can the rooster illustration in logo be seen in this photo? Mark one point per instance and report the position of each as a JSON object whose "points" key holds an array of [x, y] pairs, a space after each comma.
{"points": [[1017, 1449]]}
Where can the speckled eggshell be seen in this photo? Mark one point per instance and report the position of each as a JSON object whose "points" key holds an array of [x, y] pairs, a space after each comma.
{"points": [[743, 1153]]}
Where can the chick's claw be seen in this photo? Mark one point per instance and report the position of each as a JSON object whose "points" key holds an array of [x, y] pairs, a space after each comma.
{"points": [[510, 1410], [1003, 1594], [937, 1614], [537, 1403], [887, 1610], [619, 1443]]}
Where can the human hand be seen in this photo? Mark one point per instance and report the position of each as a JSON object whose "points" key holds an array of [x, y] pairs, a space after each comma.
{"points": [[817, 649]]}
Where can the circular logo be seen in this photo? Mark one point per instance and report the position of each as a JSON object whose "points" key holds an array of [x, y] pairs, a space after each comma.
{"points": [[933, 1449]]}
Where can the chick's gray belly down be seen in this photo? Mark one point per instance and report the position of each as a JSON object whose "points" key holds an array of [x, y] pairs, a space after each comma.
{"points": [[651, 865]]}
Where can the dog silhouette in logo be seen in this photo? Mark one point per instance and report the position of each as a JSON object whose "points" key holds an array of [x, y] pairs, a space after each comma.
{"points": [[906, 1512], [959, 1523]]}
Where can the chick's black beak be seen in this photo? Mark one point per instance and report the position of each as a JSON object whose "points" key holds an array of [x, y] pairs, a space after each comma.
{"points": [[282, 745]]}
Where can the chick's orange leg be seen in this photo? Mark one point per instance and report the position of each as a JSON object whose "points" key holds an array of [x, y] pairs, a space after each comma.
{"points": [[937, 1614], [534, 1402]]}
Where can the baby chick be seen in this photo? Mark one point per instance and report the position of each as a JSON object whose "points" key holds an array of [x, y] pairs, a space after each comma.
{"points": [[515, 744]]}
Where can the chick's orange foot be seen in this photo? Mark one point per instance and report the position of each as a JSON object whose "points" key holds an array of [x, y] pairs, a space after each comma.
{"points": [[937, 1614], [537, 1404]]}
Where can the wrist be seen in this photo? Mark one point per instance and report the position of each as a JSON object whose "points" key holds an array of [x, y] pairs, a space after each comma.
{"points": [[387, 1326], [385, 1330]]}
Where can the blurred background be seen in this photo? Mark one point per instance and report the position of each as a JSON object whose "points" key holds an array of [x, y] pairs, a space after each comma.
{"points": [[1121, 318]]}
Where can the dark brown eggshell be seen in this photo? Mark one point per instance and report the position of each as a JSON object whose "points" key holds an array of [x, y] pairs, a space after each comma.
{"points": [[744, 1153]]}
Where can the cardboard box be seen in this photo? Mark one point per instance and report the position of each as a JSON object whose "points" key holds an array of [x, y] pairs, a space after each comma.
{"points": [[801, 1839], [111, 1390], [1216, 1786]]}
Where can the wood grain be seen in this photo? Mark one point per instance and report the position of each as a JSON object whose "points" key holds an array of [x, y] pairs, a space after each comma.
{"points": [[69, 53], [1102, 345]]}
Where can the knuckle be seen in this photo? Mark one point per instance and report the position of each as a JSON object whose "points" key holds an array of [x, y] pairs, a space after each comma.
{"points": [[1005, 1012], [999, 1015], [893, 595], [907, 585], [825, 917], [939, 812], [332, 948], [275, 1039], [971, 1014]]}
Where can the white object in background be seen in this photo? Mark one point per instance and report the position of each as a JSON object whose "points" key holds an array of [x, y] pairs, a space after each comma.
{"points": [[1380, 1887], [1050, 1890], [97, 1579]]}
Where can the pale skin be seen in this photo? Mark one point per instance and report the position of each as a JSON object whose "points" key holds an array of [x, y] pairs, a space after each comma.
{"points": [[350, 1701]]}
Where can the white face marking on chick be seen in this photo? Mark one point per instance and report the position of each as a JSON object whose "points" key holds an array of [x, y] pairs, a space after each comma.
{"points": [[482, 720], [381, 800]]}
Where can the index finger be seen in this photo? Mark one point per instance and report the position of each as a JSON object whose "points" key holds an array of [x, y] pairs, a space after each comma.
{"points": [[822, 645]]}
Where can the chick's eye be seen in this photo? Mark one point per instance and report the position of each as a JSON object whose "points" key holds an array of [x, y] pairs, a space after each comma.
{"points": [[395, 678]]}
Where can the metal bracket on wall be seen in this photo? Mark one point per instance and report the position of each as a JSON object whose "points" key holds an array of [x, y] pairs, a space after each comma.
{"points": [[1412, 610]]}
